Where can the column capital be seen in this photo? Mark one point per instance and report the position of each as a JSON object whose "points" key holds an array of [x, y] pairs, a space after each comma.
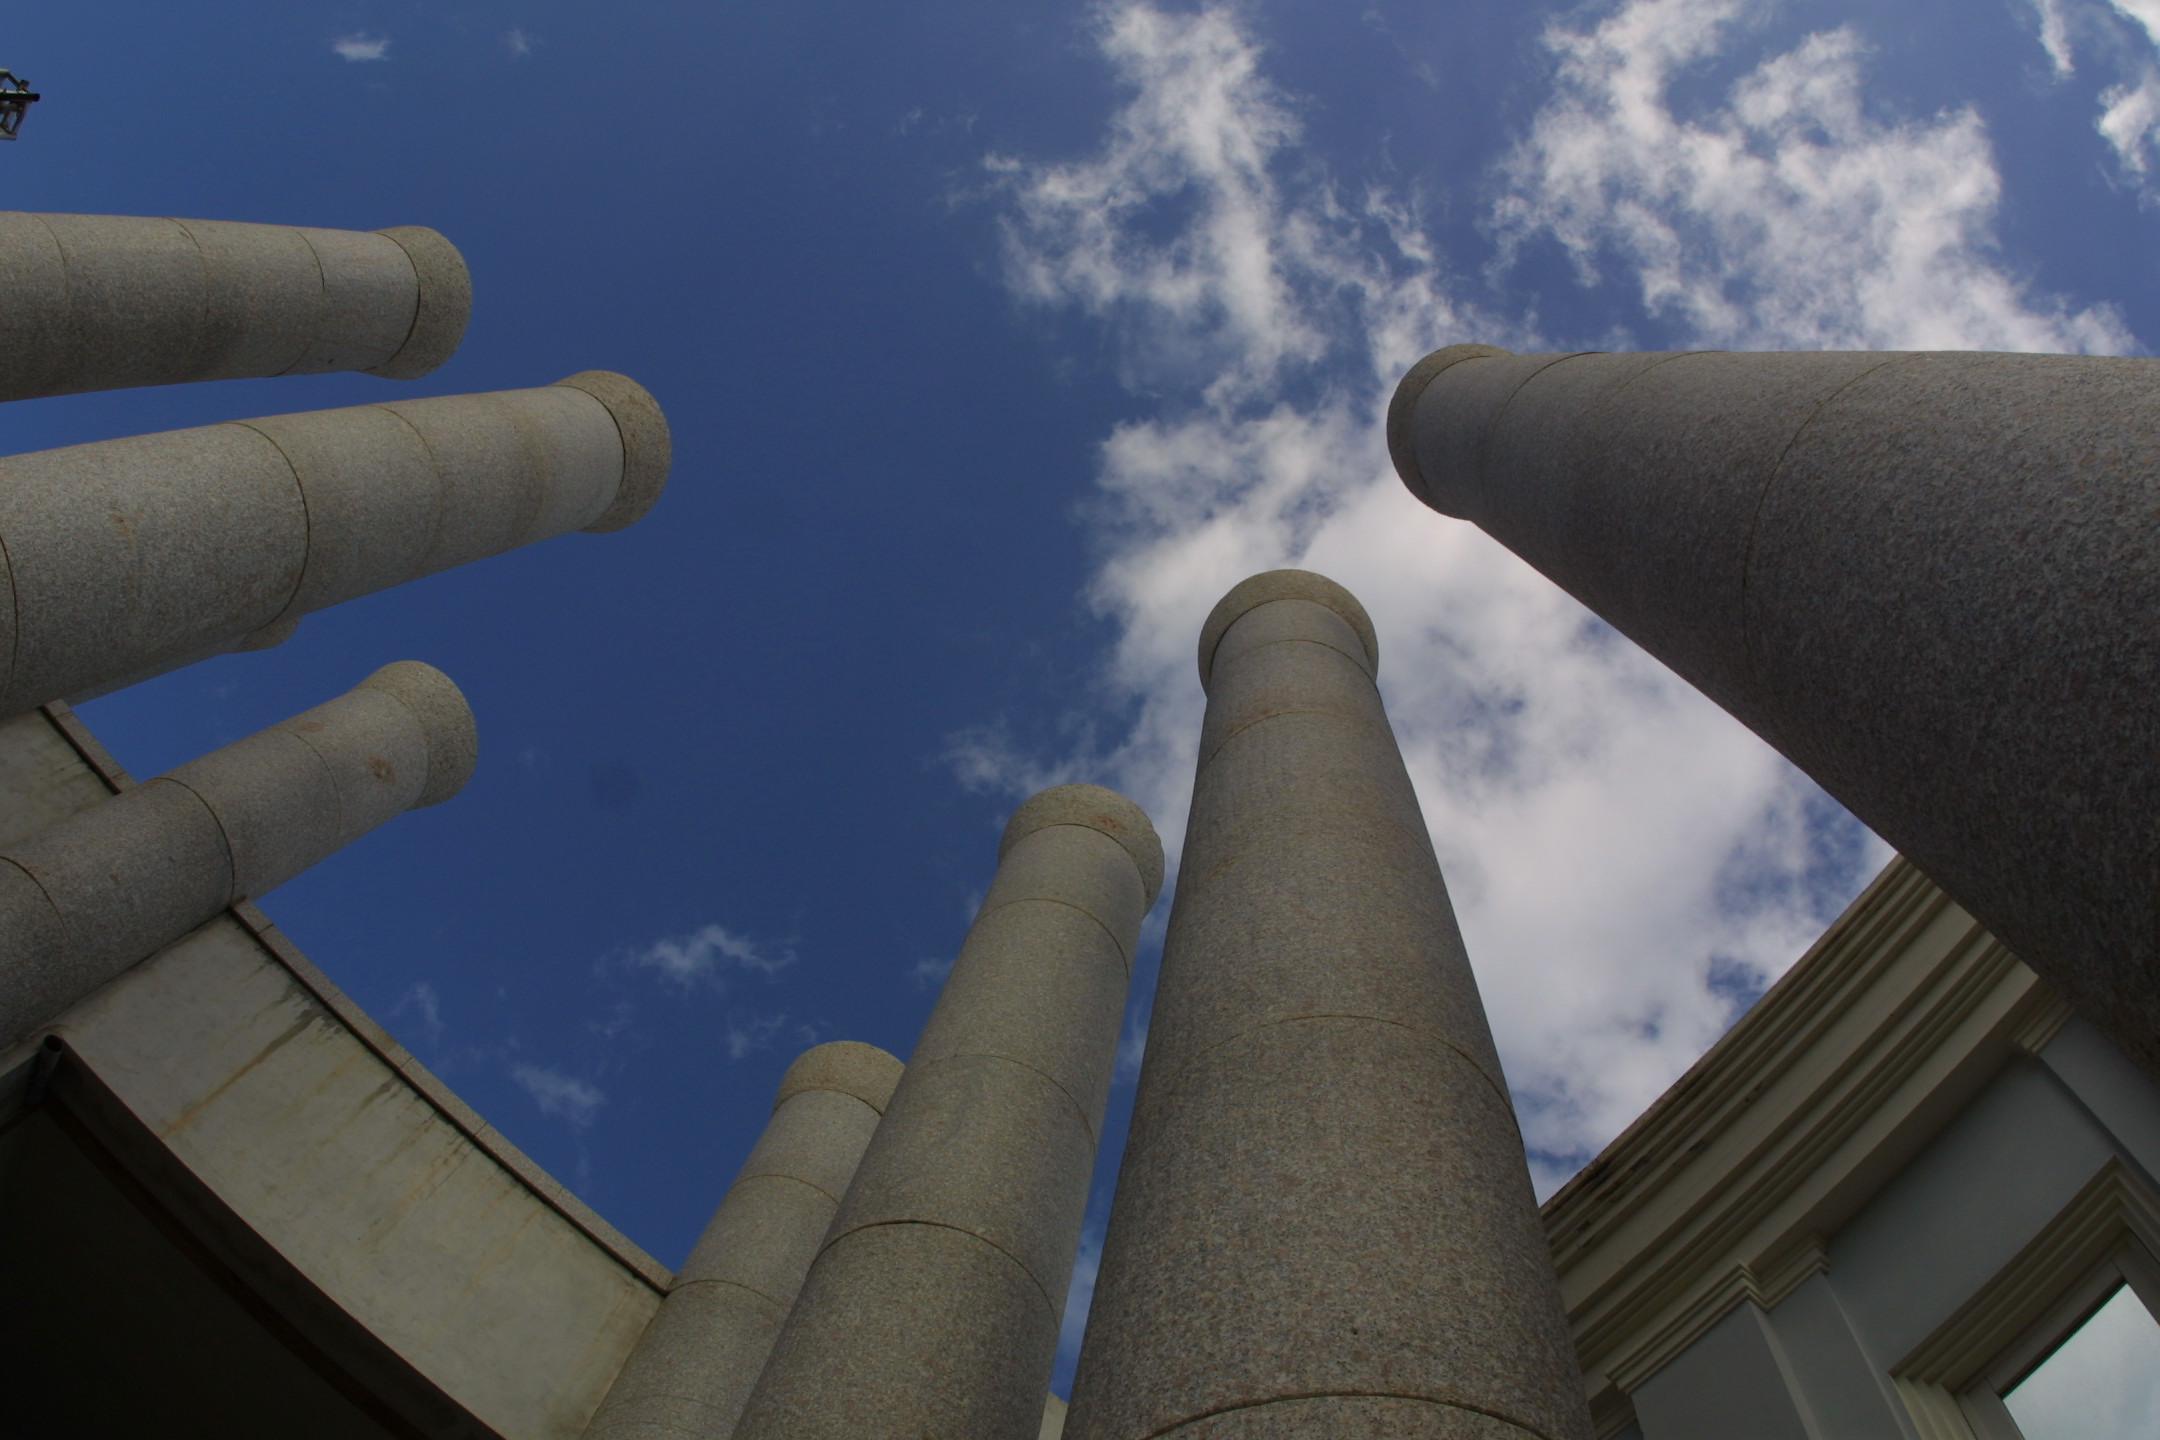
{"points": [[648, 448], [1401, 445], [1093, 808], [1271, 585], [847, 1066]]}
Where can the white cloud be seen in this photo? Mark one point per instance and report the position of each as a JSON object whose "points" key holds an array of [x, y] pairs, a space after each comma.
{"points": [[519, 42], [687, 960], [1785, 215], [2124, 36], [747, 1033], [2130, 121], [2145, 13], [930, 972], [359, 48], [566, 1098], [2055, 35], [1629, 865]]}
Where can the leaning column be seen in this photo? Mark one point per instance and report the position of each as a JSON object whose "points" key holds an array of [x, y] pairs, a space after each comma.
{"points": [[83, 900], [1324, 1223], [126, 557], [99, 302], [692, 1371], [1932, 581], [933, 1306]]}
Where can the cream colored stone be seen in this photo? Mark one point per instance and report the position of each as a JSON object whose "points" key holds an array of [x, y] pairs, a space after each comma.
{"points": [[136, 872], [100, 302], [693, 1370], [129, 557], [1323, 1198], [933, 1306]]}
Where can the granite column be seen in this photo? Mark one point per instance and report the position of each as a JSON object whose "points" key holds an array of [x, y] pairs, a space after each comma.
{"points": [[100, 302], [1932, 581], [693, 1369], [1324, 1223], [82, 901], [934, 1304], [123, 558]]}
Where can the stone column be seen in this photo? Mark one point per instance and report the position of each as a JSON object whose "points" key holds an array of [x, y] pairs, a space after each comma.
{"points": [[933, 1307], [691, 1372], [1324, 1223], [127, 557], [100, 302], [82, 901], [1932, 581]]}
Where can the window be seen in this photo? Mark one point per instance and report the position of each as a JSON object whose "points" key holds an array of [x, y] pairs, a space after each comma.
{"points": [[2063, 1344], [2103, 1380]]}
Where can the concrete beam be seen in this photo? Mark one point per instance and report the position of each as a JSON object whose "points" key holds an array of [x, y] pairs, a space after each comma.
{"points": [[101, 302], [125, 558], [1929, 580], [934, 1305], [1324, 1223], [82, 901], [693, 1369]]}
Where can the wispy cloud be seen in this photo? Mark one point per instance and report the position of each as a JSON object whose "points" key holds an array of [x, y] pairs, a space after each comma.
{"points": [[988, 760], [359, 48], [746, 1032], [1261, 311], [1785, 214], [519, 42], [2055, 35], [2123, 37], [564, 1097], [703, 954], [930, 972]]}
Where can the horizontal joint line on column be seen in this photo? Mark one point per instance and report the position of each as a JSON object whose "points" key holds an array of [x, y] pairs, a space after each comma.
{"points": [[322, 292], [307, 518], [1053, 900], [435, 467], [742, 1180], [1440, 1040], [232, 865], [1492, 426], [1360, 660], [1442, 1402], [14, 639], [1209, 758], [1055, 1083], [957, 1230], [202, 263], [345, 822], [681, 1285], [1762, 501], [43, 894]]}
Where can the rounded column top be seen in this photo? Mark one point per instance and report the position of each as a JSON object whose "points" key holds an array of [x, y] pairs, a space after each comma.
{"points": [[1401, 445], [848, 1066], [1093, 808], [648, 448], [453, 740], [1271, 585], [445, 303]]}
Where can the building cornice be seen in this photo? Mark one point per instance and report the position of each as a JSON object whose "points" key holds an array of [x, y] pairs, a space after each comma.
{"points": [[1722, 1190], [424, 1083]]}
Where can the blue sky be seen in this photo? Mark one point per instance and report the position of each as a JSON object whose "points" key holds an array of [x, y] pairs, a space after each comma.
{"points": [[998, 341]]}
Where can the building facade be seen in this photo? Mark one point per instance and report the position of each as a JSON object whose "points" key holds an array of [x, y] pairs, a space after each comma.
{"points": [[234, 1204]]}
